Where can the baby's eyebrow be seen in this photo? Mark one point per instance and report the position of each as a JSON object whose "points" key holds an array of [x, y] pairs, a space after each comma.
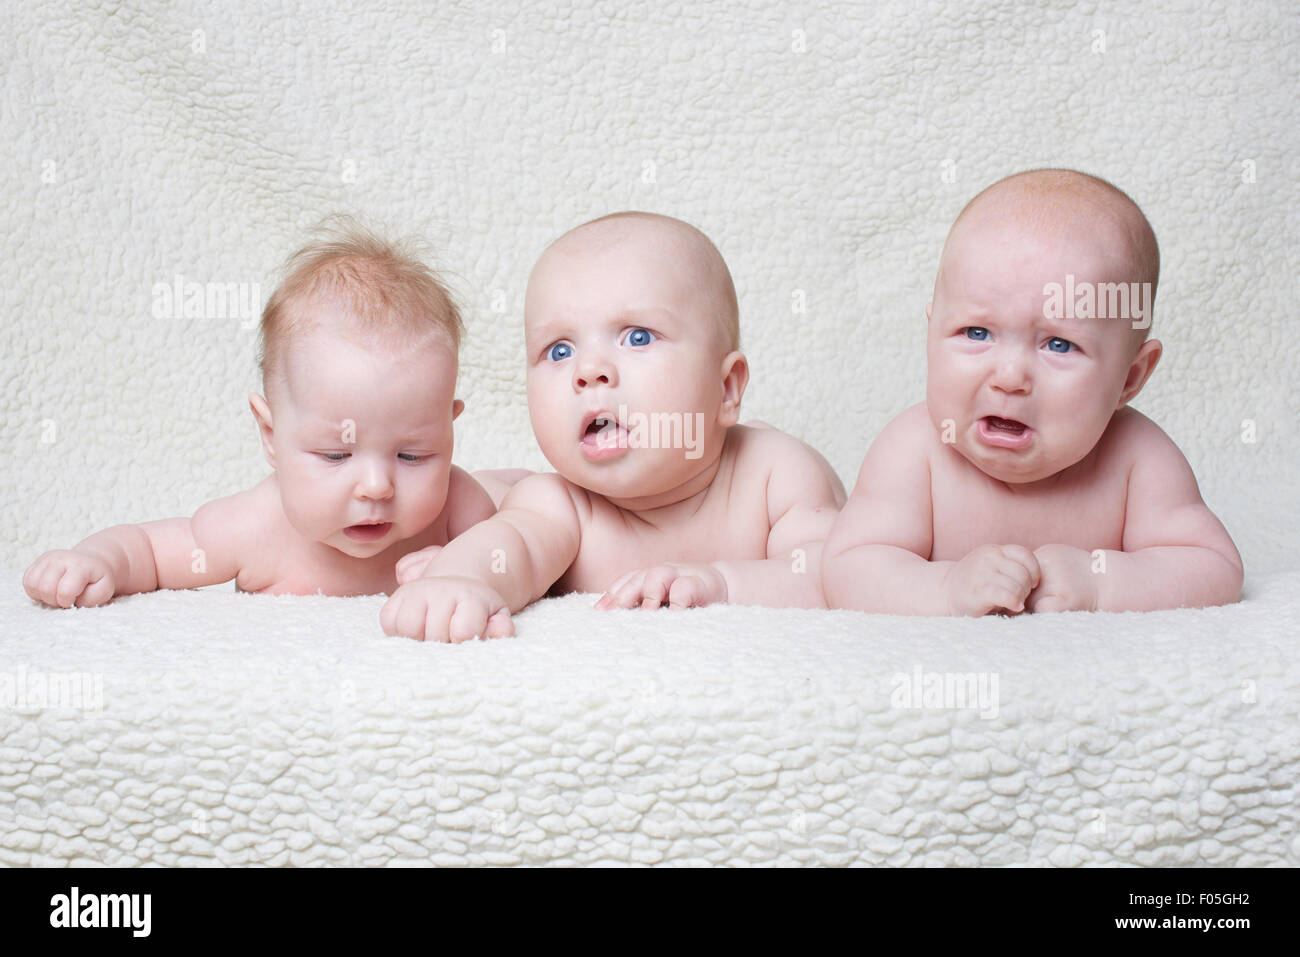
{"points": [[1067, 328], [545, 331], [648, 315]]}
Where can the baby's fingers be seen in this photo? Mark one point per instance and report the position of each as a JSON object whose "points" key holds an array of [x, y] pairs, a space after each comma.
{"points": [[71, 585], [657, 587], [1020, 577], [500, 625], [629, 595], [607, 600], [688, 592], [410, 616], [1005, 592], [98, 592], [1025, 559], [45, 577], [36, 584], [469, 621]]}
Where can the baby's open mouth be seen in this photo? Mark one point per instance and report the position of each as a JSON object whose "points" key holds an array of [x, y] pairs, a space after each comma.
{"points": [[1010, 426], [602, 436], [1003, 433], [368, 531]]}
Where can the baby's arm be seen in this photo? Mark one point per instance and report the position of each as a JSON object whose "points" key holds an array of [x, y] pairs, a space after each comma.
{"points": [[803, 497], [877, 556], [495, 568], [126, 559], [1176, 552]]}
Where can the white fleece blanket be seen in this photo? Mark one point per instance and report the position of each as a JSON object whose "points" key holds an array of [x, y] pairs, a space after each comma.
{"points": [[826, 149], [217, 727]]}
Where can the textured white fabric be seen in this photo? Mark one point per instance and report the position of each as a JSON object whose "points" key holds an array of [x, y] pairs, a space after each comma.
{"points": [[825, 149], [248, 729]]}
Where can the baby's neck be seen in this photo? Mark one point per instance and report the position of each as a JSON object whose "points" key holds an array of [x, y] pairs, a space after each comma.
{"points": [[1048, 484], [694, 489]]}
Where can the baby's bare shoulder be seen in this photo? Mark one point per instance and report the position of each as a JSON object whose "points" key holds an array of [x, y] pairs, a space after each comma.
{"points": [[1131, 440], [244, 534], [909, 438], [911, 427], [549, 494], [248, 518], [766, 449], [790, 470], [1157, 474]]}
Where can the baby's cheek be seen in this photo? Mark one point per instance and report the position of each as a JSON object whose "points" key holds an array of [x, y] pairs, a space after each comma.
{"points": [[432, 490]]}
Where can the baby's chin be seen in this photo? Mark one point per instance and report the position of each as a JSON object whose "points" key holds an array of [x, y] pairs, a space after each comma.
{"points": [[1023, 468], [635, 475], [360, 550]]}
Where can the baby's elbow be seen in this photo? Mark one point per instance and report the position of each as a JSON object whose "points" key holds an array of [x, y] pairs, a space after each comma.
{"points": [[1223, 580], [1234, 578]]}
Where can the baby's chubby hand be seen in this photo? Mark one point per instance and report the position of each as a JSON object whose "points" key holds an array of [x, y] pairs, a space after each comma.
{"points": [[678, 586], [992, 578], [1066, 580], [446, 609], [411, 566], [64, 578]]}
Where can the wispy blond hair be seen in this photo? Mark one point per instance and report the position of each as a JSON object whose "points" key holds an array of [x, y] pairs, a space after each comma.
{"points": [[386, 286]]}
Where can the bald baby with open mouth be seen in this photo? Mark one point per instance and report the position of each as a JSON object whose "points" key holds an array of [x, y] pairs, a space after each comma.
{"points": [[1024, 482], [659, 497]]}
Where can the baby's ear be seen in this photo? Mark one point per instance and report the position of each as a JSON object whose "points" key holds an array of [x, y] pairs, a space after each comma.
{"points": [[1139, 370], [262, 414], [929, 310], [457, 407], [735, 376]]}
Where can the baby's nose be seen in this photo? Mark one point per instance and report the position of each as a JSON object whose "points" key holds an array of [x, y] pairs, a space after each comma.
{"points": [[1011, 374], [375, 482], [594, 371]]}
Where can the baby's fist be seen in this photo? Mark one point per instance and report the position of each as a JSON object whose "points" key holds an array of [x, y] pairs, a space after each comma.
{"points": [[65, 578], [446, 609], [1068, 582], [991, 578], [678, 586]]}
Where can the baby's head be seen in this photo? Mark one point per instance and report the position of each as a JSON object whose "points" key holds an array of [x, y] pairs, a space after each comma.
{"points": [[359, 361], [1038, 325], [634, 368]]}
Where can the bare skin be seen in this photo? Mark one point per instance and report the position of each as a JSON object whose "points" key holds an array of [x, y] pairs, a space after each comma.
{"points": [[360, 438], [621, 320], [1023, 483]]}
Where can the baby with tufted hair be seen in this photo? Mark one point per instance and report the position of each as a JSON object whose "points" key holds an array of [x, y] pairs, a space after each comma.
{"points": [[1024, 482], [359, 362], [660, 497]]}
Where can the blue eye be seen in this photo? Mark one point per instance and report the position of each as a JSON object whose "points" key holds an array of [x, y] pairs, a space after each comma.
{"points": [[1059, 345], [639, 337], [976, 333], [333, 456], [411, 457], [559, 351]]}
